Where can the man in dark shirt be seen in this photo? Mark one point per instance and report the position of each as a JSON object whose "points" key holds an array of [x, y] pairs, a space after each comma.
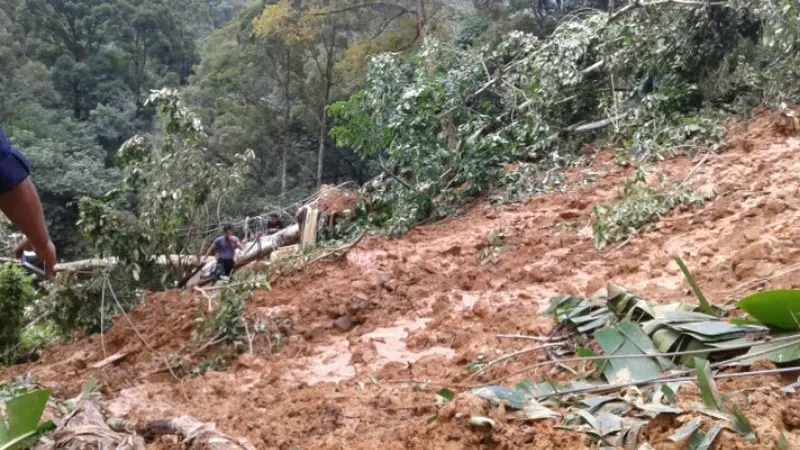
{"points": [[20, 203], [225, 246], [274, 224]]}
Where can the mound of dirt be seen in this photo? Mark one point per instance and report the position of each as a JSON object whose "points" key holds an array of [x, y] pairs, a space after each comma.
{"points": [[375, 334]]}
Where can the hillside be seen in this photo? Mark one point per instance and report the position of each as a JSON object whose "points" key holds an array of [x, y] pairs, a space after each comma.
{"points": [[371, 337]]}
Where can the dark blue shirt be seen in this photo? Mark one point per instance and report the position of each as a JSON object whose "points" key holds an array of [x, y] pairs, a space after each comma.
{"points": [[14, 167], [226, 247]]}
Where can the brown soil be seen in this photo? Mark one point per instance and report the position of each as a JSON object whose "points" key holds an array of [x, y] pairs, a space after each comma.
{"points": [[371, 329]]}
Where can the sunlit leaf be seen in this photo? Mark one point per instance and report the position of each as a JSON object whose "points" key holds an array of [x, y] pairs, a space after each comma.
{"points": [[779, 309]]}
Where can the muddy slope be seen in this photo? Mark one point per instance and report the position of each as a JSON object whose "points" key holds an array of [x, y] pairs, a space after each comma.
{"points": [[370, 329]]}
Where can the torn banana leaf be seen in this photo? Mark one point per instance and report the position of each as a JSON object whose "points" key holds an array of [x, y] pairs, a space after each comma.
{"points": [[708, 387], [627, 339], [782, 355], [534, 410], [518, 399], [565, 306], [693, 344], [666, 340], [596, 319], [711, 331], [627, 305], [704, 441], [686, 431], [514, 398], [538, 389], [680, 312], [596, 402]]}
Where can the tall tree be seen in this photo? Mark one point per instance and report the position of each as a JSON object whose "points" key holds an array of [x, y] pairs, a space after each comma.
{"points": [[285, 32]]}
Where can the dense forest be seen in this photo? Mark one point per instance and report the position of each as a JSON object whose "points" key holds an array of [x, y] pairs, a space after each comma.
{"points": [[260, 76]]}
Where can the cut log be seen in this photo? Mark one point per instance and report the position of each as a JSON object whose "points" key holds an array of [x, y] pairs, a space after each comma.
{"points": [[309, 236], [109, 263], [253, 251]]}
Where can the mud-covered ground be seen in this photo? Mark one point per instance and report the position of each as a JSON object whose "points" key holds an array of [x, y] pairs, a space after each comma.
{"points": [[370, 329]]}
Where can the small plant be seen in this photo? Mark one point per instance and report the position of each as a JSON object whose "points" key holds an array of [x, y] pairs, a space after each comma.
{"points": [[216, 363], [16, 292], [638, 209], [75, 305]]}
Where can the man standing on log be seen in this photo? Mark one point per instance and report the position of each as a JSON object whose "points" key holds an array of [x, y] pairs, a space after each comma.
{"points": [[225, 246], [20, 203]]}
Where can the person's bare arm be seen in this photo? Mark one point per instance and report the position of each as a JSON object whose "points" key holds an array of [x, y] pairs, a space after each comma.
{"points": [[211, 249], [22, 207]]}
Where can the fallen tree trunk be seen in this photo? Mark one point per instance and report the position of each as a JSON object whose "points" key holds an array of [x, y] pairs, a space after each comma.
{"points": [[252, 251], [86, 265]]}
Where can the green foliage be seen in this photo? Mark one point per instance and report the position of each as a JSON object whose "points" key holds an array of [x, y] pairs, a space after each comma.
{"points": [[75, 305], [72, 90], [705, 305], [227, 321], [657, 80], [639, 207], [21, 427], [16, 293], [175, 185], [780, 309]]}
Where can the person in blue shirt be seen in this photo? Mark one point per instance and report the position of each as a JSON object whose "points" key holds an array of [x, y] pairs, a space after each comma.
{"points": [[225, 246], [20, 202]]}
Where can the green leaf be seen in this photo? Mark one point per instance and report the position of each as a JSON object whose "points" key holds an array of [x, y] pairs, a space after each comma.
{"points": [[708, 439], [705, 306], [444, 396], [780, 309], [686, 431], [742, 425], [24, 413], [514, 398], [584, 352], [708, 388], [90, 386], [783, 355], [632, 342], [534, 410], [783, 443]]}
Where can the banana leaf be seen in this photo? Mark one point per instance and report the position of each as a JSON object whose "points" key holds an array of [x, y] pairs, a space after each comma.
{"points": [[779, 309], [615, 342]]}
